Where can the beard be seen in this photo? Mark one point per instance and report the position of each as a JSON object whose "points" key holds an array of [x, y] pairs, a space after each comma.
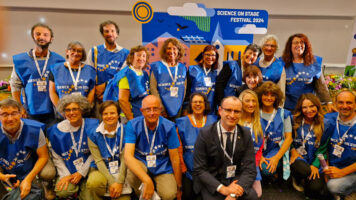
{"points": [[110, 42], [42, 45]]}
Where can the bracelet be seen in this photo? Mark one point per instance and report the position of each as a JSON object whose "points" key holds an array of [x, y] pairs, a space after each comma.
{"points": [[233, 195]]}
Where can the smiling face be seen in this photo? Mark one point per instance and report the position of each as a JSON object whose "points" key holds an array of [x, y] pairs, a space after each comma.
{"points": [[110, 116], [269, 48], [198, 104], [268, 99], [298, 47], [230, 113], [346, 105], [110, 34], [151, 109], [42, 36], [309, 110], [249, 103], [73, 114], [252, 81], [75, 54], [139, 60], [10, 118], [209, 58], [250, 57], [172, 52]]}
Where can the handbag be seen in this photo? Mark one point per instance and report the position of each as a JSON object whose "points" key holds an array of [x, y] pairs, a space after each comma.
{"points": [[35, 194]]}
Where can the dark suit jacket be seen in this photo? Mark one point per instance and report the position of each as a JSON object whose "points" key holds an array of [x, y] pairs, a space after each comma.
{"points": [[210, 162]]}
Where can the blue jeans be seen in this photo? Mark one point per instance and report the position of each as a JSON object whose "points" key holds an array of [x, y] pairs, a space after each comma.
{"points": [[343, 186]]}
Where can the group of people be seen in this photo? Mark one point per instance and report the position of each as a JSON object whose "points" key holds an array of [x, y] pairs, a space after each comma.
{"points": [[169, 131]]}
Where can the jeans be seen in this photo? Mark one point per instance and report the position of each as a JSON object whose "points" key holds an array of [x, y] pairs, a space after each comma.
{"points": [[343, 186]]}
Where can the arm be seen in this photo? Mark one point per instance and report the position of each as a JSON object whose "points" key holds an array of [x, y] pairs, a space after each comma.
{"points": [[91, 95], [154, 91], [282, 82], [53, 94], [99, 90], [125, 105], [174, 158], [334, 172], [273, 161], [221, 82], [16, 86], [322, 92], [180, 152], [25, 185]]}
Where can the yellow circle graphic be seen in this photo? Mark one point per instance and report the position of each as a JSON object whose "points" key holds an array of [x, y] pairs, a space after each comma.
{"points": [[142, 12]]}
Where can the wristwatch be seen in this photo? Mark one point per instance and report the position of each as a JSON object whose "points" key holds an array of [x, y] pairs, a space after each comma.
{"points": [[233, 195]]}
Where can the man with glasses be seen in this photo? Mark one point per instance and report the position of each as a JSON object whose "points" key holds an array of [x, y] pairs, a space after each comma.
{"points": [[24, 151], [30, 75], [342, 147], [224, 162], [151, 153]]}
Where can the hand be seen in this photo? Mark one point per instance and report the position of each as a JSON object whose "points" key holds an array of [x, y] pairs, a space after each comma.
{"points": [[294, 156], [233, 188], [179, 193], [25, 188], [6, 178], [263, 160], [314, 173], [273, 162], [334, 172], [63, 183], [76, 177], [115, 190], [148, 190], [228, 197], [99, 90], [331, 107]]}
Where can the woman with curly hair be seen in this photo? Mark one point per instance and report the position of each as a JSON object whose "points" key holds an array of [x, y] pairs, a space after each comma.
{"points": [[309, 141], [303, 72]]}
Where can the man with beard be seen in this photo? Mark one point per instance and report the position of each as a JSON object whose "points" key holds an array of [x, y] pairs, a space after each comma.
{"points": [[107, 58], [30, 75]]}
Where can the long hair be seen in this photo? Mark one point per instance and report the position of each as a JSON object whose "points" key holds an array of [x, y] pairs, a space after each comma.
{"points": [[177, 44], [318, 119], [308, 56], [200, 58], [256, 122]]}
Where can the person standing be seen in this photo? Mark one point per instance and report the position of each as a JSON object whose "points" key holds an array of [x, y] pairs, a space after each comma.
{"points": [[30, 75]]}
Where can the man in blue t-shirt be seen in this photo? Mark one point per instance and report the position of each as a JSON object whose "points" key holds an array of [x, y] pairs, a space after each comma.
{"points": [[342, 148], [151, 153], [24, 152]]}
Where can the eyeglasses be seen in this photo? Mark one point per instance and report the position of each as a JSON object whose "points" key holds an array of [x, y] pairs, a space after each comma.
{"points": [[270, 45], [68, 110], [197, 102], [76, 50], [209, 55], [298, 42], [154, 109], [231, 111], [13, 114]]}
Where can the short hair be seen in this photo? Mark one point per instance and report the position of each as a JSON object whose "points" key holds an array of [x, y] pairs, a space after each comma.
{"points": [[82, 101], [255, 48], [267, 87], [176, 43], [41, 25], [200, 58], [106, 104], [229, 97], [268, 38], [108, 22], [254, 70], [73, 43], [10, 102], [206, 103], [130, 57], [345, 90]]}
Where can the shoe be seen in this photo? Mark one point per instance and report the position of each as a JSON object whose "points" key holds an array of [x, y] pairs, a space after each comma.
{"points": [[352, 196], [297, 187]]}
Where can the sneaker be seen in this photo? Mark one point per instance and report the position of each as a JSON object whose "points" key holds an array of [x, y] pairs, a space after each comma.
{"points": [[297, 187]]}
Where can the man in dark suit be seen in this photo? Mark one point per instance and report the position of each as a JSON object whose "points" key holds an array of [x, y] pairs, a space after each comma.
{"points": [[224, 159]]}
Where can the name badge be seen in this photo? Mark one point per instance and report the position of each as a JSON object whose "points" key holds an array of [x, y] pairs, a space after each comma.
{"points": [[301, 150], [151, 160], [114, 167], [207, 81], [78, 163], [230, 171], [77, 93], [265, 144], [174, 91], [41, 86], [338, 150]]}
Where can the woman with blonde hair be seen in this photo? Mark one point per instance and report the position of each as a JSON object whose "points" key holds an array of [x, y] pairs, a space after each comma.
{"points": [[251, 118], [309, 141]]}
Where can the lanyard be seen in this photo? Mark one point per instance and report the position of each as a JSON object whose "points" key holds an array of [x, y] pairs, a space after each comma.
{"points": [[344, 136], [270, 119], [37, 66], [75, 81], [175, 75], [249, 125], [114, 149], [224, 148], [206, 71], [76, 146], [154, 135], [308, 136], [195, 123]]}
